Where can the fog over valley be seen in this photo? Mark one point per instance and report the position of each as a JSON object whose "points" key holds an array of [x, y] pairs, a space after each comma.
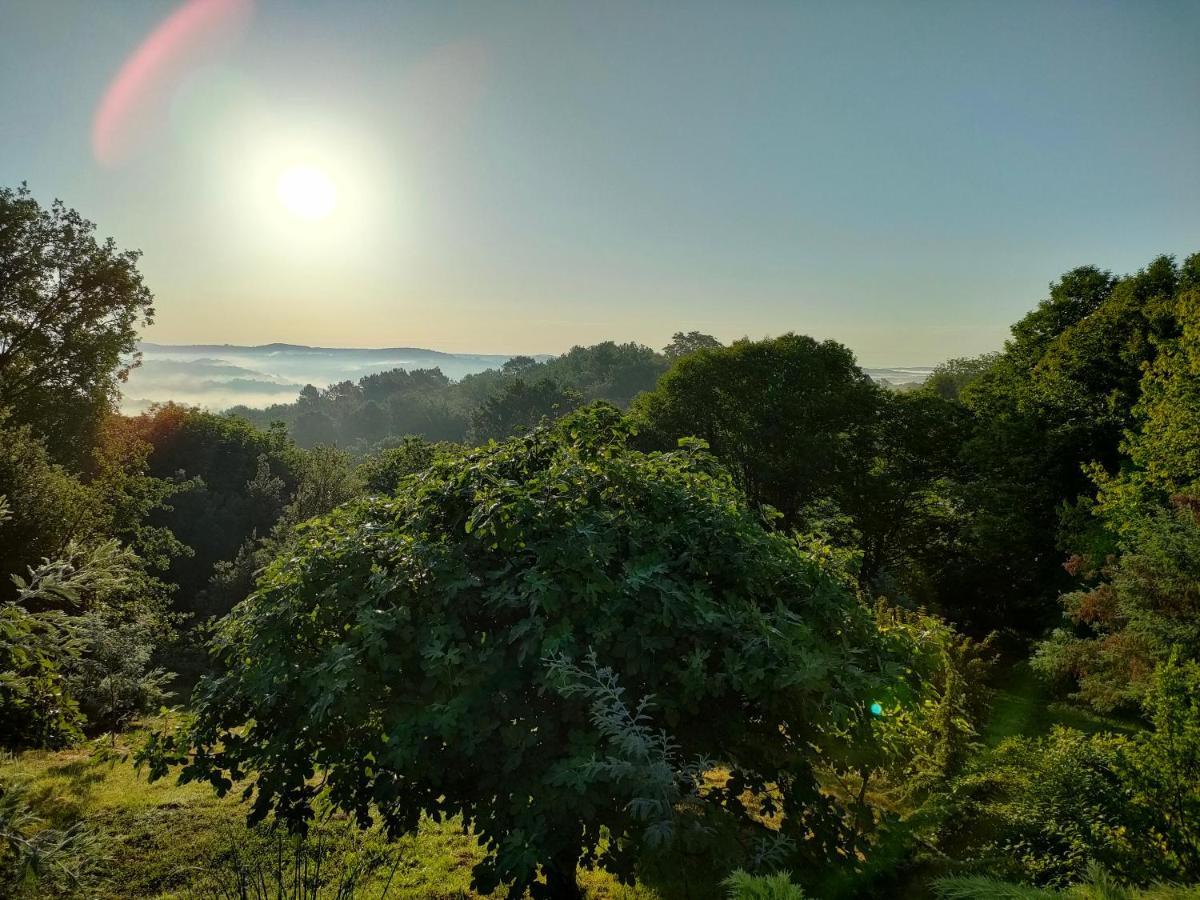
{"points": [[217, 376]]}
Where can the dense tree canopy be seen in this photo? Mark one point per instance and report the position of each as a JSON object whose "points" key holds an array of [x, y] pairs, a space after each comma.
{"points": [[1141, 599], [519, 407], [1057, 400], [382, 471], [47, 506], [425, 403], [948, 378]]}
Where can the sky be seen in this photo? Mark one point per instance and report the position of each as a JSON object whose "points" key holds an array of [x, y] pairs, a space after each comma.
{"points": [[496, 177]]}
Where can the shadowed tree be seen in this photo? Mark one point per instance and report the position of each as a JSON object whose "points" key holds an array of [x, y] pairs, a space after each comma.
{"points": [[70, 309], [948, 379], [520, 406], [1057, 400]]}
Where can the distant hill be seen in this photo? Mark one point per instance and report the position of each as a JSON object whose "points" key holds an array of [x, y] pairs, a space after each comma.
{"points": [[304, 350]]}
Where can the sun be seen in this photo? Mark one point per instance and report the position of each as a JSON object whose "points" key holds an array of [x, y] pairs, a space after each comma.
{"points": [[306, 192]]}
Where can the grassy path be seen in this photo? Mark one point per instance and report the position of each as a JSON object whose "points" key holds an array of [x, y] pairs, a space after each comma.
{"points": [[1024, 706]]}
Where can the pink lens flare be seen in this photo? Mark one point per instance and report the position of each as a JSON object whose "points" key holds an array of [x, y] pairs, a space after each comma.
{"points": [[180, 39]]}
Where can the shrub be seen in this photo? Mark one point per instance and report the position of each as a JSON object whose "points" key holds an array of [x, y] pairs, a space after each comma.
{"points": [[382, 471], [741, 885], [31, 852], [76, 635]]}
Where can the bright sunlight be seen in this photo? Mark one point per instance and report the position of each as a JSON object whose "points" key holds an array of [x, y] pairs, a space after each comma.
{"points": [[306, 192]]}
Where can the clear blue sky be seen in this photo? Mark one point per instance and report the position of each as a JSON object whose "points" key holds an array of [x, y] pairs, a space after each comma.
{"points": [[517, 177]]}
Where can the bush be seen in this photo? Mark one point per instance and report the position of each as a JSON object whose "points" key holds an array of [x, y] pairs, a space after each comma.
{"points": [[77, 635], [1098, 886], [48, 507], [39, 643]]}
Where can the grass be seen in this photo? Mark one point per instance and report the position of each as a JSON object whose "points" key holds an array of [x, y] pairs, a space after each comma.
{"points": [[1024, 706], [163, 840]]}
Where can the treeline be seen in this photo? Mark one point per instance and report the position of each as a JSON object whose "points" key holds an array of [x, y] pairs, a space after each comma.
{"points": [[713, 608], [489, 405]]}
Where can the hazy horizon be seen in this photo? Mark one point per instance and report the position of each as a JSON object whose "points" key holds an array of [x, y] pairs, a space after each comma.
{"points": [[520, 178], [537, 354], [220, 376]]}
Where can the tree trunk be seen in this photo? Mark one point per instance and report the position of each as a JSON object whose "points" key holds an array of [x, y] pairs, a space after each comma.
{"points": [[562, 881]]}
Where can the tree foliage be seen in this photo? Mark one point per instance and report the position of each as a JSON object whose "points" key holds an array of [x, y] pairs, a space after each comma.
{"points": [[366, 415], [519, 407], [683, 343], [70, 309], [948, 379], [382, 471], [790, 417], [1057, 400], [239, 478], [48, 506], [1142, 600], [54, 652]]}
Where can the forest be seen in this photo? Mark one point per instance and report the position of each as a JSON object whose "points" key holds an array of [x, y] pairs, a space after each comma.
{"points": [[706, 621]]}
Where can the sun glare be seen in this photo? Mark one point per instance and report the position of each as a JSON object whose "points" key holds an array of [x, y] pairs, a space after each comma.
{"points": [[306, 192]]}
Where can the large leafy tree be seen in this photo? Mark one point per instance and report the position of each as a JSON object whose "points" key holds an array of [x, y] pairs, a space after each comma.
{"points": [[791, 417], [70, 309], [326, 480], [553, 638], [948, 379], [1165, 447], [382, 471]]}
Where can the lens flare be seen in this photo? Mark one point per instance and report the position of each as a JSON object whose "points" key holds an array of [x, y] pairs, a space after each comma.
{"points": [[177, 43]]}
